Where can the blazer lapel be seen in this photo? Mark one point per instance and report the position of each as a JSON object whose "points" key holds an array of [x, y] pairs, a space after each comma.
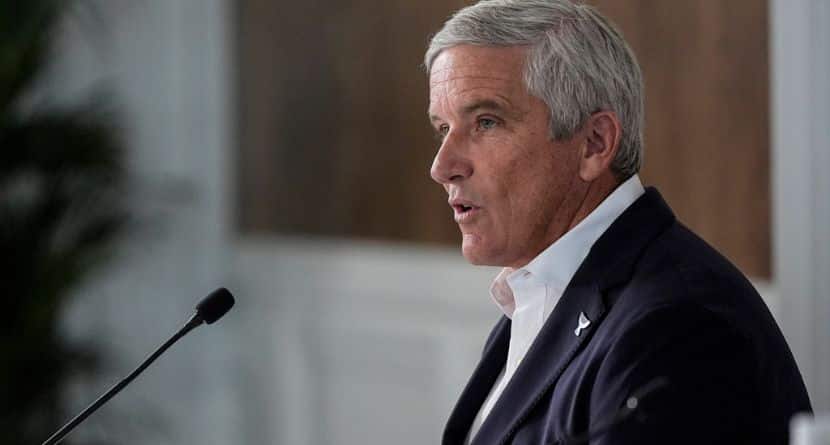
{"points": [[549, 355], [479, 386]]}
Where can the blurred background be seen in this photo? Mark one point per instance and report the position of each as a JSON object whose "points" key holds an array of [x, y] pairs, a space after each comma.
{"points": [[153, 150]]}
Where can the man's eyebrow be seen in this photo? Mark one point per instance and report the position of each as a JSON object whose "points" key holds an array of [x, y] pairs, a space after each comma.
{"points": [[483, 104]]}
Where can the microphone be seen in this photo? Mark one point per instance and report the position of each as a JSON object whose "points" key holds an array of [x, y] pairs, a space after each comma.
{"points": [[631, 406], [209, 310]]}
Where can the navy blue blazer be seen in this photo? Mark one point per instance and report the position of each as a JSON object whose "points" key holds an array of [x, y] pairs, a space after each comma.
{"points": [[662, 304]]}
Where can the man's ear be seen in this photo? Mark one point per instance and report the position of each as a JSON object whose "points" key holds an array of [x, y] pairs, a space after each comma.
{"points": [[602, 132]]}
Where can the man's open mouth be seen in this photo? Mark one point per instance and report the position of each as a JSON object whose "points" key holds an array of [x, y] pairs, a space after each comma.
{"points": [[464, 213]]}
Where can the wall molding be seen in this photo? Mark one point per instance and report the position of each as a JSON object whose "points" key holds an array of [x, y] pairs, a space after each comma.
{"points": [[800, 111]]}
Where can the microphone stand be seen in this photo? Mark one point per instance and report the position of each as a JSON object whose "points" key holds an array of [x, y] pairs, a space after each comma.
{"points": [[191, 324]]}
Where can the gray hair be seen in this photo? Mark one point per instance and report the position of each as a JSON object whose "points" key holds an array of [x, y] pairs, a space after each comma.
{"points": [[578, 64]]}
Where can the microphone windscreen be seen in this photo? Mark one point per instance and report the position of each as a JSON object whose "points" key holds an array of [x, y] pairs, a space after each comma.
{"points": [[215, 305]]}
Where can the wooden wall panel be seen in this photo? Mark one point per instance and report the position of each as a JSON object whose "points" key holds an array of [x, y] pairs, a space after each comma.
{"points": [[334, 140], [706, 69], [333, 134]]}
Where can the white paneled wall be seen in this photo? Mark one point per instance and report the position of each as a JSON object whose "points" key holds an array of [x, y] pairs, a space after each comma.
{"points": [[800, 58], [358, 343]]}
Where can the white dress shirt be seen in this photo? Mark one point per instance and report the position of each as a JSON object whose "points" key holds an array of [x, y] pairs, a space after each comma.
{"points": [[528, 295]]}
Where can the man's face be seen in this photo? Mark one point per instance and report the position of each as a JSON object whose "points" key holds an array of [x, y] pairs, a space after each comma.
{"points": [[513, 190]]}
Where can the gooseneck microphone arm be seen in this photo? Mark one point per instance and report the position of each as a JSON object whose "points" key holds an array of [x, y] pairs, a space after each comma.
{"points": [[210, 309], [66, 429]]}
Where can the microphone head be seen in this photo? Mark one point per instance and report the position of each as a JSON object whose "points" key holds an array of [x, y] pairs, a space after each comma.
{"points": [[215, 305]]}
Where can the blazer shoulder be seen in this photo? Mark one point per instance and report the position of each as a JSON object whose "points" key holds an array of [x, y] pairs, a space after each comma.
{"points": [[679, 267]]}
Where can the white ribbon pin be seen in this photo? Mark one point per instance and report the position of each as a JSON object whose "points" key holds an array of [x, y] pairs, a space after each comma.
{"points": [[583, 323]]}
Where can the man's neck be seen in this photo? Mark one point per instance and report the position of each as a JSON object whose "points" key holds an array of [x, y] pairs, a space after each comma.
{"points": [[597, 192], [583, 199]]}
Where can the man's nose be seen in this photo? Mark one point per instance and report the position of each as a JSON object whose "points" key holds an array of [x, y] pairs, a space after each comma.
{"points": [[451, 163]]}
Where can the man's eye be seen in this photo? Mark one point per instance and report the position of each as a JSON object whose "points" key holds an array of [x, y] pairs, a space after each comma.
{"points": [[441, 132], [486, 123]]}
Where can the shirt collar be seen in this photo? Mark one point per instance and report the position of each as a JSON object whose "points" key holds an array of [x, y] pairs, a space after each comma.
{"points": [[557, 264]]}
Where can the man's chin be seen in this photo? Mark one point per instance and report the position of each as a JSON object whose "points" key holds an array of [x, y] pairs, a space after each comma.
{"points": [[475, 251]]}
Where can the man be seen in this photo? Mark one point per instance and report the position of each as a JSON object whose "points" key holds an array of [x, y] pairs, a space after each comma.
{"points": [[621, 326]]}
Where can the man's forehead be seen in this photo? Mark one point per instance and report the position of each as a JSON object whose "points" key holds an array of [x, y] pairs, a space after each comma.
{"points": [[455, 81], [476, 73], [478, 63]]}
